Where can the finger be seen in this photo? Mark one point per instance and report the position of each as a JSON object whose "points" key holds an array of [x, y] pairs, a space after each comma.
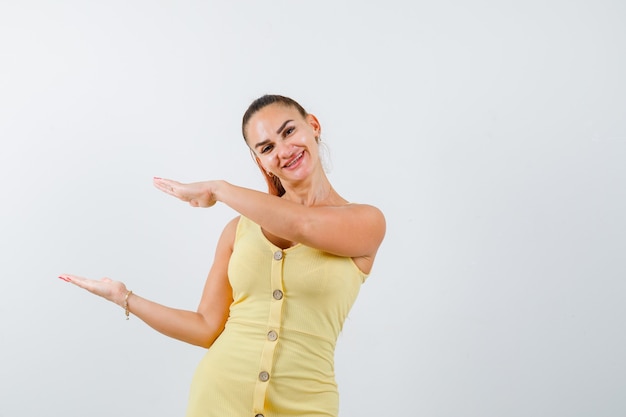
{"points": [[91, 285], [71, 278], [163, 182], [65, 278], [161, 185], [173, 188], [78, 281], [167, 186]]}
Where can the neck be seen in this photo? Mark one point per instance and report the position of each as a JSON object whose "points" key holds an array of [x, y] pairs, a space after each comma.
{"points": [[315, 191]]}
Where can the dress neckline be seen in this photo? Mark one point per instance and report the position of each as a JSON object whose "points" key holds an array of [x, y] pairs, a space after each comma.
{"points": [[270, 243]]}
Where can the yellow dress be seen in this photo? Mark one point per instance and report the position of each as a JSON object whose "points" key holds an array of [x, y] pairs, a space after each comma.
{"points": [[275, 357]]}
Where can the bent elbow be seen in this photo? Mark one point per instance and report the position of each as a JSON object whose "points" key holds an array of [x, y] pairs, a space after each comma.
{"points": [[208, 337]]}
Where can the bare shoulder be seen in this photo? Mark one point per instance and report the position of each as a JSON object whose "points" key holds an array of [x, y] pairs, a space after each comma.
{"points": [[369, 227], [227, 239], [366, 208], [231, 226], [371, 216], [354, 230]]}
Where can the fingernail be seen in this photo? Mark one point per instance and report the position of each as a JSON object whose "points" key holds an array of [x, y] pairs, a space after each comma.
{"points": [[158, 178], [66, 279]]}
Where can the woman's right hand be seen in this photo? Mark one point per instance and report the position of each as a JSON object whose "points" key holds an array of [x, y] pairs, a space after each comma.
{"points": [[113, 291], [197, 194]]}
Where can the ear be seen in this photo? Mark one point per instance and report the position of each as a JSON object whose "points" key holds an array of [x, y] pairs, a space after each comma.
{"points": [[314, 123]]}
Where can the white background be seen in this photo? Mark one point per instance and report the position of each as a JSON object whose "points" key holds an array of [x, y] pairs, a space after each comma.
{"points": [[491, 134]]}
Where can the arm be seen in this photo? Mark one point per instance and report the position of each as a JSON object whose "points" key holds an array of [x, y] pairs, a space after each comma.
{"points": [[199, 328], [354, 230]]}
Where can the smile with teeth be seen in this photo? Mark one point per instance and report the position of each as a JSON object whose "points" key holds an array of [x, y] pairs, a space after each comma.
{"points": [[294, 160]]}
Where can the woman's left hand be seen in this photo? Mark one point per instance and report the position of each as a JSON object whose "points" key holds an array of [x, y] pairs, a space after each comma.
{"points": [[197, 194], [113, 291]]}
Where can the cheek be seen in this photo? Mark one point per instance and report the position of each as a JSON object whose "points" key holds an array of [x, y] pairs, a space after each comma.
{"points": [[301, 140], [268, 161]]}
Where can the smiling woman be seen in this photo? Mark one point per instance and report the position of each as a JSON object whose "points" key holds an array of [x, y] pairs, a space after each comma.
{"points": [[285, 130], [286, 273]]}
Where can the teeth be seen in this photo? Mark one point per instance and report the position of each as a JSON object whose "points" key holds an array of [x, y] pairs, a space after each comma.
{"points": [[294, 161]]}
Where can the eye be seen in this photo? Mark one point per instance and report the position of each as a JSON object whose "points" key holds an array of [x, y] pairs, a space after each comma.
{"points": [[289, 131], [266, 148]]}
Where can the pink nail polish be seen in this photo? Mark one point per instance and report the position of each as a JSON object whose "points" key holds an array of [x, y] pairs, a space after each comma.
{"points": [[66, 279]]}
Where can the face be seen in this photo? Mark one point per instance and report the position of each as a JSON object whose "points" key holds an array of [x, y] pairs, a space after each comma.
{"points": [[284, 142]]}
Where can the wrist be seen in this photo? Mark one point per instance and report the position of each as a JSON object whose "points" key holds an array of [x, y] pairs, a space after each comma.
{"points": [[126, 307], [120, 297], [219, 189]]}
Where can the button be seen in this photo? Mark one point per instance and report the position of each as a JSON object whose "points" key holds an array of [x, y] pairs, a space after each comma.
{"points": [[272, 336], [264, 376], [259, 415], [277, 294], [278, 255]]}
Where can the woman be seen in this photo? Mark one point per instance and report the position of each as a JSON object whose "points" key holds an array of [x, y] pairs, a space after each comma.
{"points": [[285, 275]]}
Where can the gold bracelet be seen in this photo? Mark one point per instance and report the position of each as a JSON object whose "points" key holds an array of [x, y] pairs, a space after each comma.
{"points": [[126, 310]]}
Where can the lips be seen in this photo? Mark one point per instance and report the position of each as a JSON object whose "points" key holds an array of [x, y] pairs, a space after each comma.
{"points": [[294, 161]]}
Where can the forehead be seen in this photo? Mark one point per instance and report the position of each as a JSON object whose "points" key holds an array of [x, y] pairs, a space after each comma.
{"points": [[267, 120]]}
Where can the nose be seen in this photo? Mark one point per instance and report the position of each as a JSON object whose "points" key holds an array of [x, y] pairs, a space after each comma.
{"points": [[284, 150]]}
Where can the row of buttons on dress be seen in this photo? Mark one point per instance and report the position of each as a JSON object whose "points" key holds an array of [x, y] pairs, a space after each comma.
{"points": [[278, 295], [272, 335]]}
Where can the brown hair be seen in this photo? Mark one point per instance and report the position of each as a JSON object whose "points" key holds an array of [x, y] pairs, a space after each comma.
{"points": [[273, 183]]}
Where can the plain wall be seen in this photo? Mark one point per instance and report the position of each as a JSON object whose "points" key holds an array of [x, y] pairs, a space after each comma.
{"points": [[491, 134]]}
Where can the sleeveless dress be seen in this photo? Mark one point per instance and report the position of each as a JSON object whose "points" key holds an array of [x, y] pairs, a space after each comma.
{"points": [[275, 357]]}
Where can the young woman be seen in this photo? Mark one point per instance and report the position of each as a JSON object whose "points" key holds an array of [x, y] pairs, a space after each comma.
{"points": [[285, 275]]}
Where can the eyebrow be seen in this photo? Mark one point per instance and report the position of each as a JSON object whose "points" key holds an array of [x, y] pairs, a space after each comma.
{"points": [[280, 129]]}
